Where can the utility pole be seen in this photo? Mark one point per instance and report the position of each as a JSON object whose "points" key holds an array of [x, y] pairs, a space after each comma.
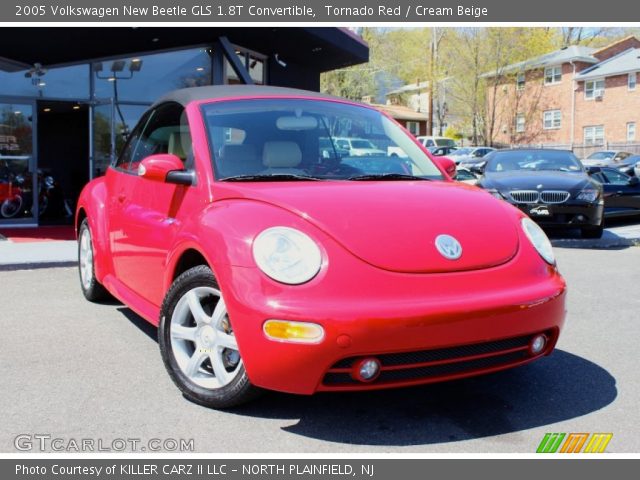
{"points": [[432, 83]]}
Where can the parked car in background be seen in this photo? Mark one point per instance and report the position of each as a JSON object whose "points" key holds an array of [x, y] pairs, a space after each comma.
{"points": [[471, 156], [630, 165], [636, 167], [622, 161], [358, 147], [621, 191], [440, 151], [430, 141], [329, 149], [551, 186], [466, 176], [265, 266]]}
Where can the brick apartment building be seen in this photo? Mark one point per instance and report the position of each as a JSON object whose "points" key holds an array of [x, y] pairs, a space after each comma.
{"points": [[571, 98]]}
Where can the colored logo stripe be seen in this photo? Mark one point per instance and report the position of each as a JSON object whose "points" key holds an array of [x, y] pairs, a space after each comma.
{"points": [[550, 443], [574, 442], [598, 442]]}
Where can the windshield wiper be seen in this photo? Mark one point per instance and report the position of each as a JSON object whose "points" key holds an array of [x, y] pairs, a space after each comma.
{"points": [[269, 177], [386, 176]]}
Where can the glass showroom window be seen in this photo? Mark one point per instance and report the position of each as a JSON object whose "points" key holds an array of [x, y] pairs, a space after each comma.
{"points": [[631, 82], [552, 119], [252, 62], [631, 131], [520, 125], [593, 88], [520, 81], [594, 135], [552, 75], [60, 83], [414, 128], [146, 78]]}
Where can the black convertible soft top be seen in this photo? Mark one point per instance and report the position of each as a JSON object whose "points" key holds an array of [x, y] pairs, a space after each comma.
{"points": [[187, 95]]}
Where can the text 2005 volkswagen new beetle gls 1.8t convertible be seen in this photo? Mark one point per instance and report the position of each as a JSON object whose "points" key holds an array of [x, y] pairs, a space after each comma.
{"points": [[271, 260]]}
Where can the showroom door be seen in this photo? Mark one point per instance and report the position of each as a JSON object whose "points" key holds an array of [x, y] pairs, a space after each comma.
{"points": [[18, 179]]}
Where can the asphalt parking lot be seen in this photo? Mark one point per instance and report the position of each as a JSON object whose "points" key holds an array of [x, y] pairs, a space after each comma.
{"points": [[75, 370]]}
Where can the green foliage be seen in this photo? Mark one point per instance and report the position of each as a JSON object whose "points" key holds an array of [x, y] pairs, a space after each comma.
{"points": [[454, 133]]}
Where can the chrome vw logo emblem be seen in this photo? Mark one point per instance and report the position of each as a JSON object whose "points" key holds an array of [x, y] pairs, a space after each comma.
{"points": [[448, 247]]}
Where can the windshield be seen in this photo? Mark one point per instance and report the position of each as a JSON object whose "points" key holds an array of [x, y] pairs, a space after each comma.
{"points": [[300, 139], [445, 142], [528, 160], [601, 156]]}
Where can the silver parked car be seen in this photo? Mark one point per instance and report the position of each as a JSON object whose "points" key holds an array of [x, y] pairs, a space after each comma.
{"points": [[623, 161]]}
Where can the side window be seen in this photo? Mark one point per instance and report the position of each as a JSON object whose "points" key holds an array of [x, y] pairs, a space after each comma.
{"points": [[621, 156], [599, 177], [124, 159], [165, 131], [617, 178]]}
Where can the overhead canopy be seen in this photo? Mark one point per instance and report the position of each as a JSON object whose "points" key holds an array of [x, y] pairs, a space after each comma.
{"points": [[321, 49]]}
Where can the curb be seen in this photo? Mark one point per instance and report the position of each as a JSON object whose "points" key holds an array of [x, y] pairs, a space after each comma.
{"points": [[11, 267], [598, 244]]}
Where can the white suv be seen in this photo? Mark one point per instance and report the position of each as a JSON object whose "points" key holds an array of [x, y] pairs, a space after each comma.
{"points": [[437, 141]]}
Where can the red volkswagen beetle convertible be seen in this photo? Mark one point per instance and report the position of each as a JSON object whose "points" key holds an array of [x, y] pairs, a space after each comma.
{"points": [[269, 257]]}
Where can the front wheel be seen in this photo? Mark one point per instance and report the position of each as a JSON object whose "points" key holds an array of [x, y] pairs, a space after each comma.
{"points": [[198, 344], [91, 288]]}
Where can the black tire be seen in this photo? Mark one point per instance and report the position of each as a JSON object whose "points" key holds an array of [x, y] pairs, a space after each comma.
{"points": [[592, 232], [239, 390], [93, 290]]}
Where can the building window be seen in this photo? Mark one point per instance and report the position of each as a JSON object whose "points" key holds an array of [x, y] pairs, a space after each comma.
{"points": [[520, 122], [552, 119], [594, 135], [145, 78], [631, 131], [593, 89], [631, 82], [552, 75], [520, 80], [414, 128]]}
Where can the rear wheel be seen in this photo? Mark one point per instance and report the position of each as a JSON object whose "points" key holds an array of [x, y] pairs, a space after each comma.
{"points": [[91, 288], [198, 344]]}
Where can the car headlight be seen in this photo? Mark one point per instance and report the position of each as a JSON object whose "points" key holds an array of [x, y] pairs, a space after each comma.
{"points": [[588, 195], [539, 240], [495, 193], [287, 255]]}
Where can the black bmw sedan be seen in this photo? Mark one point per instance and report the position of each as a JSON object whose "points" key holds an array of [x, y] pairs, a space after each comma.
{"points": [[551, 186]]}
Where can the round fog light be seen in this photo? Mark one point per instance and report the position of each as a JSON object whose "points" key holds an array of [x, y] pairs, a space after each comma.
{"points": [[367, 370], [538, 344]]}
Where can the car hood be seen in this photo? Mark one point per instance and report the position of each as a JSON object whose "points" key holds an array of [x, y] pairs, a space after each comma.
{"points": [[543, 180], [393, 224]]}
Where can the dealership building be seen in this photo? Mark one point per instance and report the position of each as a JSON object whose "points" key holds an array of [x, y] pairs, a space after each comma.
{"points": [[69, 96]]}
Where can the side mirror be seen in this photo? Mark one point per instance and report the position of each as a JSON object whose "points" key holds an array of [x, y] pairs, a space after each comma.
{"points": [[165, 167], [447, 165], [633, 181]]}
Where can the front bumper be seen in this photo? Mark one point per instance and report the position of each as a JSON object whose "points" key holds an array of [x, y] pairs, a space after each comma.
{"points": [[483, 315], [569, 214]]}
